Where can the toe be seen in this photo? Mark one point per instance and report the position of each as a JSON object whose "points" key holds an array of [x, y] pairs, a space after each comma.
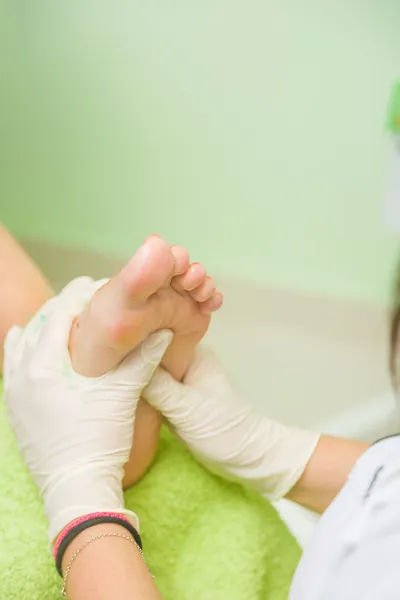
{"points": [[146, 272], [212, 304], [194, 276], [204, 291], [118, 316], [181, 260]]}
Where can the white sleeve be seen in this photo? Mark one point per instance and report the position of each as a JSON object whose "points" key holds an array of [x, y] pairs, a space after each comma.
{"points": [[354, 552]]}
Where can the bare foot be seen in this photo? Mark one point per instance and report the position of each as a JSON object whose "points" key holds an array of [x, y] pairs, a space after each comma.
{"points": [[157, 289]]}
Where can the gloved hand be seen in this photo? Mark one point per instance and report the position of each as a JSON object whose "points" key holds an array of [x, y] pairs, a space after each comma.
{"points": [[226, 434], [75, 433]]}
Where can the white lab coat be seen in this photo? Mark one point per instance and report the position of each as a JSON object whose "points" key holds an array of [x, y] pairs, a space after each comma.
{"points": [[354, 553]]}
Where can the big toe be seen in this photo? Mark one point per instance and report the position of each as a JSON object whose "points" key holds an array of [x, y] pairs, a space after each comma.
{"points": [[115, 321], [146, 271]]}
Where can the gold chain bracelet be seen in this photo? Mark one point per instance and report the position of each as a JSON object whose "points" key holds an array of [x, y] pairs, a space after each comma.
{"points": [[89, 541]]}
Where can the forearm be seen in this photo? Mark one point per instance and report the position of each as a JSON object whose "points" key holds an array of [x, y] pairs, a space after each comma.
{"points": [[326, 472], [111, 567], [23, 287]]}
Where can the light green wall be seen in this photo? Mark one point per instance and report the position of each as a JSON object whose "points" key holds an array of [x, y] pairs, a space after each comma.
{"points": [[251, 131]]}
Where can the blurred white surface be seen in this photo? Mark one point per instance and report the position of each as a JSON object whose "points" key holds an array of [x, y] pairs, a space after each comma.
{"points": [[392, 204], [305, 360]]}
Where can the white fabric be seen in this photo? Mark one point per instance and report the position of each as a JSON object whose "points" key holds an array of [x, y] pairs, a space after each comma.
{"points": [[392, 204], [227, 435], [75, 433], [354, 552]]}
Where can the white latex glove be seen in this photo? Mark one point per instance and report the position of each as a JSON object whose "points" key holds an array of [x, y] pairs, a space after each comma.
{"points": [[226, 434], [75, 433]]}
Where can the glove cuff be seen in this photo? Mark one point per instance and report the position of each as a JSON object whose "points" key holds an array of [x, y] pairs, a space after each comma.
{"points": [[82, 492], [290, 458]]}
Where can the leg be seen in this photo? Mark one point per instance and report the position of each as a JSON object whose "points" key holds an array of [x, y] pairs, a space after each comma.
{"points": [[24, 288]]}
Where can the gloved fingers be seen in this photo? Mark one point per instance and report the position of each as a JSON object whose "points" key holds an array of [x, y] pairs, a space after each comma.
{"points": [[51, 351], [48, 325], [164, 392], [13, 350], [79, 291], [205, 369], [138, 367], [54, 321], [155, 346]]}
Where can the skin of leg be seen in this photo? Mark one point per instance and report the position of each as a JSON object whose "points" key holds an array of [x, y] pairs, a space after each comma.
{"points": [[147, 428], [24, 288], [107, 568]]}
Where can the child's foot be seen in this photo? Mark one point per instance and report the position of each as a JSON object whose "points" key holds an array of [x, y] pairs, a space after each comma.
{"points": [[157, 289]]}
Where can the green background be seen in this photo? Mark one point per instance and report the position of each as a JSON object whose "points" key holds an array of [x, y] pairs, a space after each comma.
{"points": [[252, 131]]}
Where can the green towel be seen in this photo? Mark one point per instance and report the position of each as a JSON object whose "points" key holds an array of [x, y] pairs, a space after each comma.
{"points": [[204, 538]]}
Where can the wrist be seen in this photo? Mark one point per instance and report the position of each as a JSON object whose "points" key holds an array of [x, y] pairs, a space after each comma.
{"points": [[288, 458], [275, 456], [326, 472]]}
